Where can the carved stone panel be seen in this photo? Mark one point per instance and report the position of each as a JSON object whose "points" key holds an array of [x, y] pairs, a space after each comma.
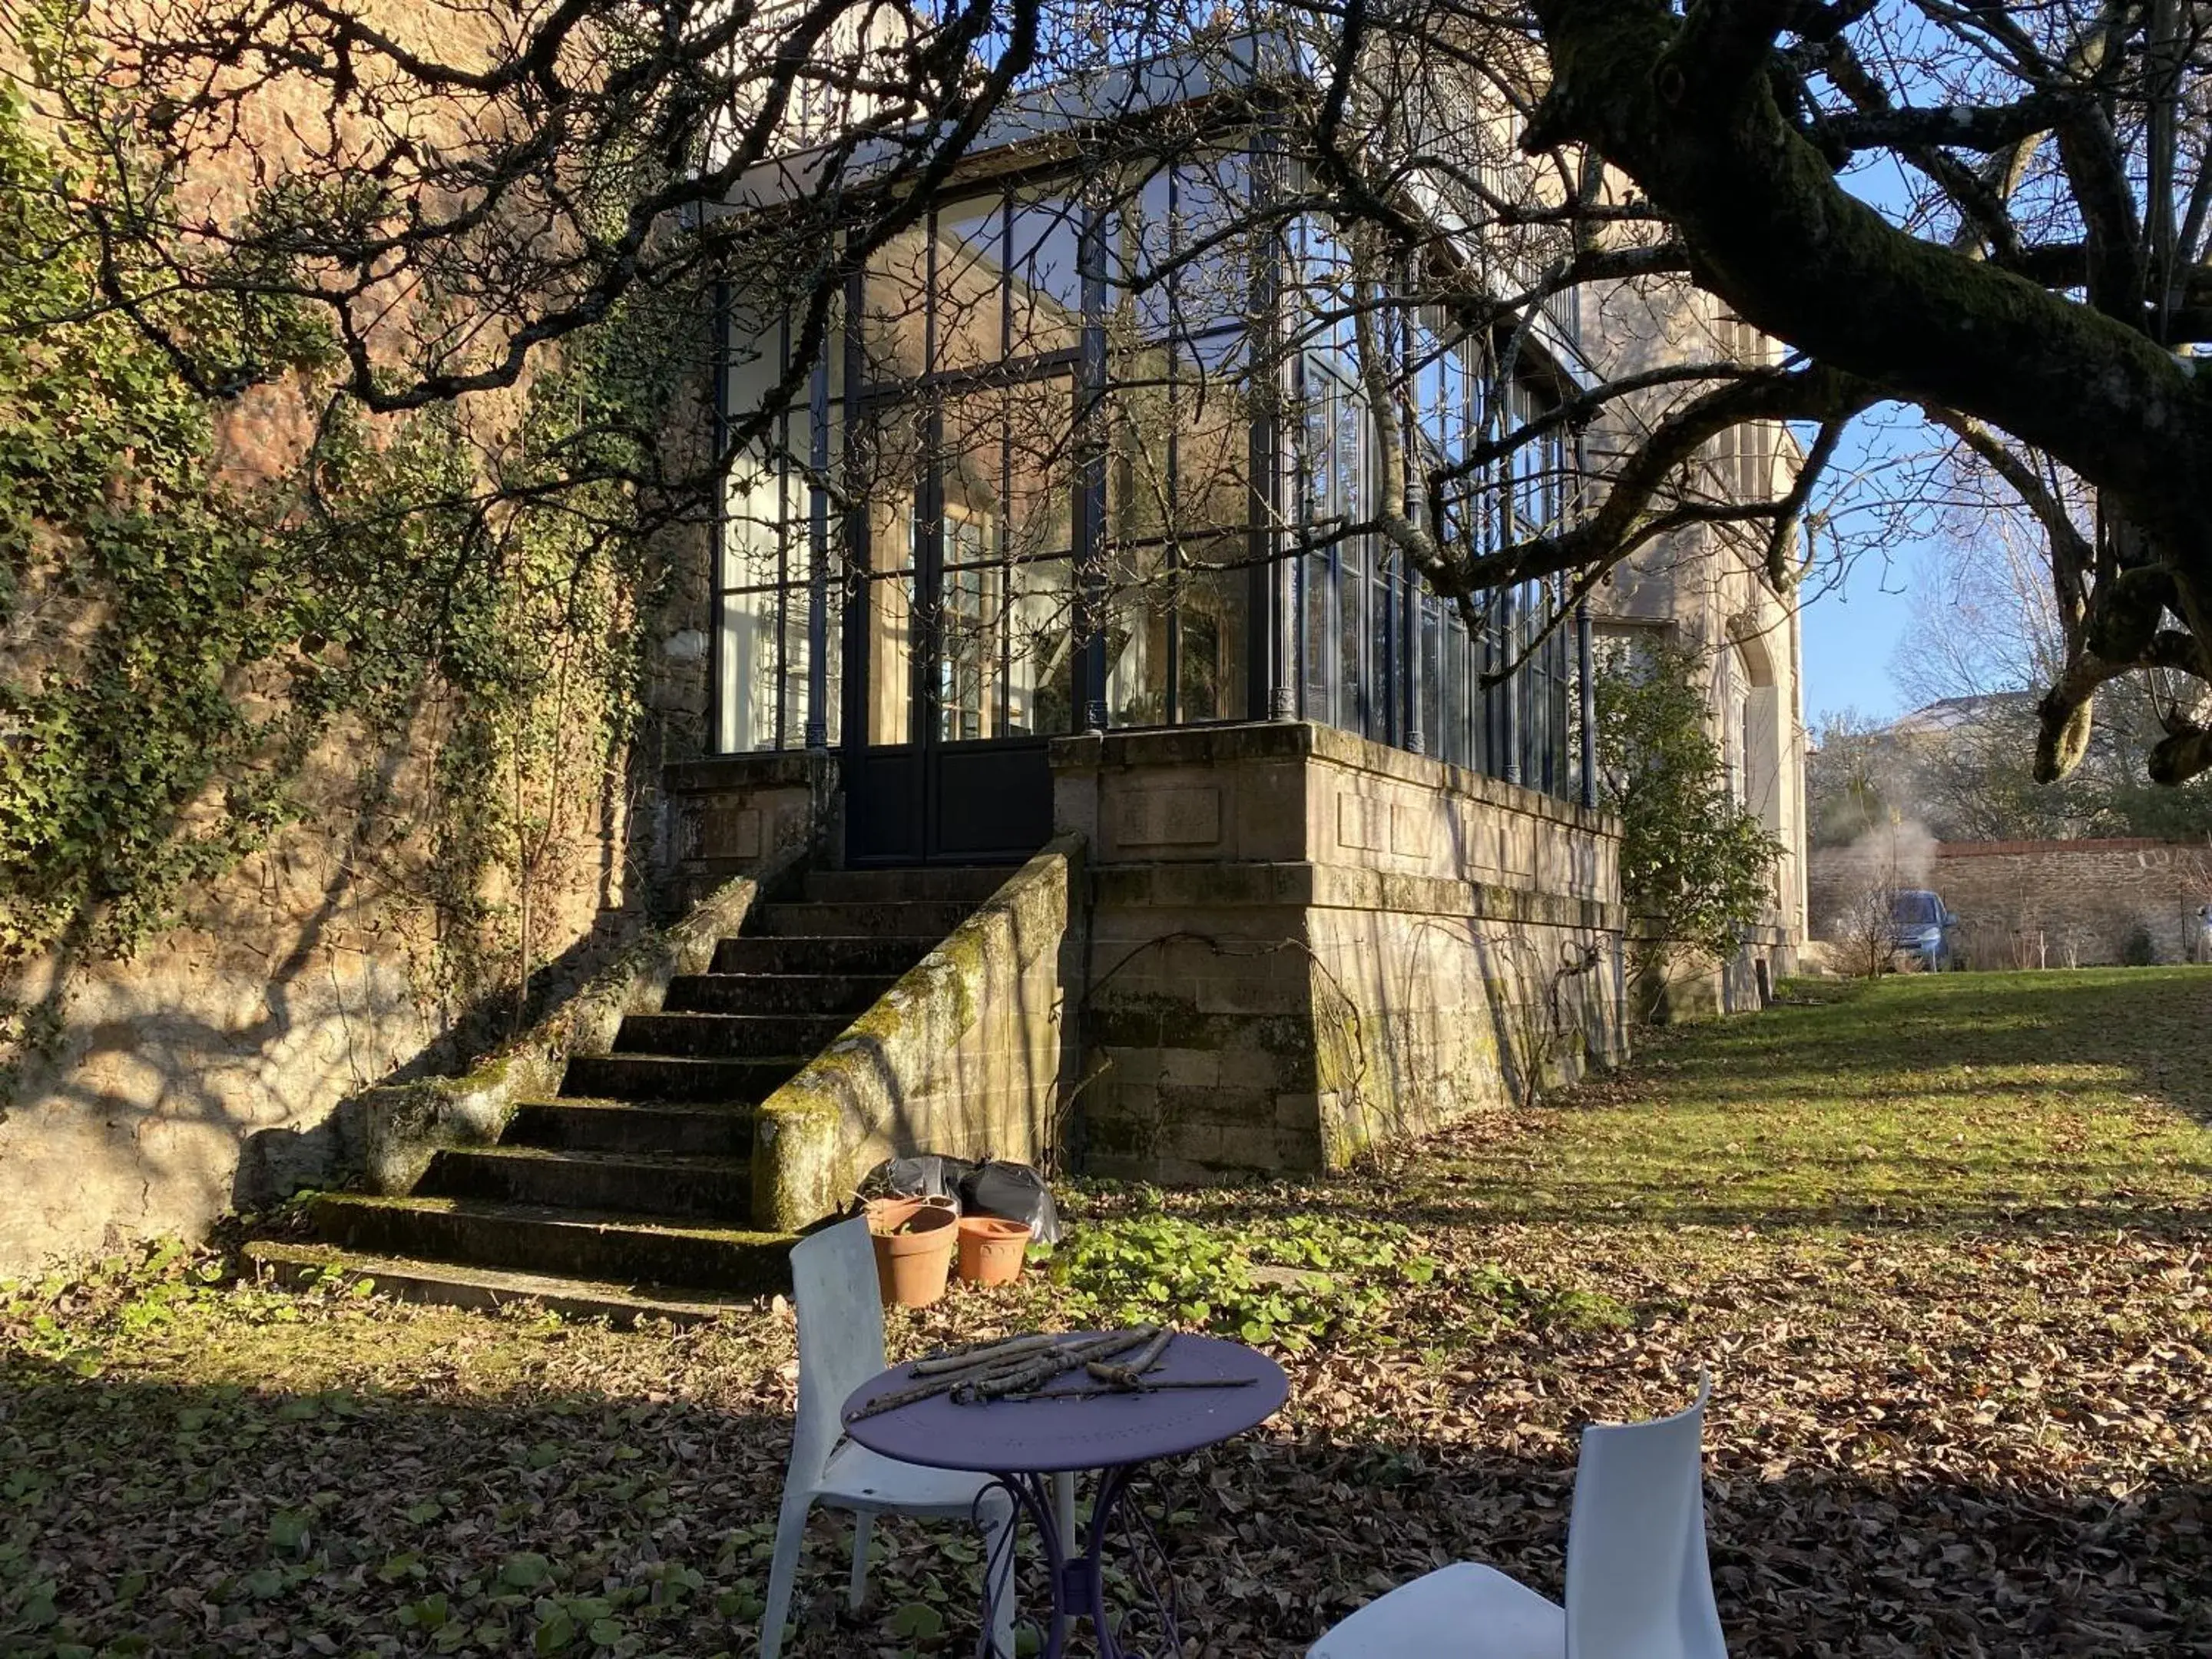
{"points": [[1188, 817]]}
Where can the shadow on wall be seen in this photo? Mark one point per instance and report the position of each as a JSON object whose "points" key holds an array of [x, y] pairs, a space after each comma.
{"points": [[273, 1163], [208, 1070]]}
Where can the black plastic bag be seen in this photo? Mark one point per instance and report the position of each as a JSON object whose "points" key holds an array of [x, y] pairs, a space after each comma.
{"points": [[1012, 1192], [926, 1175]]}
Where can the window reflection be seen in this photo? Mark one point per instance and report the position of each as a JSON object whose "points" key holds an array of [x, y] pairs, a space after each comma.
{"points": [[960, 527]]}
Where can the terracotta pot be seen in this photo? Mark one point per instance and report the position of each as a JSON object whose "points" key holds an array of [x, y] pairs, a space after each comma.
{"points": [[991, 1250], [888, 1215], [913, 1243]]}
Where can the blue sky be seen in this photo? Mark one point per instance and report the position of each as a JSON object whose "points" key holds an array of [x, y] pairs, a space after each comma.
{"points": [[1852, 626], [1851, 632]]}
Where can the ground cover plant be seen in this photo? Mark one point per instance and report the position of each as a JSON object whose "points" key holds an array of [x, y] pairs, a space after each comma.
{"points": [[1939, 1239]]}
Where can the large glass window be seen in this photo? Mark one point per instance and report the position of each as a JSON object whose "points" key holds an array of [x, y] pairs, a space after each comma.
{"points": [[777, 526], [1070, 444], [1180, 419]]}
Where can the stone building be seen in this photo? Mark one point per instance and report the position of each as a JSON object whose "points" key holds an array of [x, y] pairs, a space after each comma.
{"points": [[1079, 774], [1708, 590]]}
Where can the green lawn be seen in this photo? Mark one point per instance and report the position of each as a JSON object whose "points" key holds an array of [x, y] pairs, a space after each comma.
{"points": [[1939, 1241]]}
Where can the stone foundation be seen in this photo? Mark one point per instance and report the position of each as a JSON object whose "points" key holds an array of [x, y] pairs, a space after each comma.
{"points": [[1699, 989], [728, 815], [1304, 943]]}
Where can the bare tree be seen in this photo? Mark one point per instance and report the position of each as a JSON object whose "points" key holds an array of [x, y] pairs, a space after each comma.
{"points": [[472, 184]]}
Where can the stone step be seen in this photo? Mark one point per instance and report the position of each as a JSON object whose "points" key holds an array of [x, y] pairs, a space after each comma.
{"points": [[774, 993], [299, 1266], [930, 919], [972, 882], [676, 1077], [615, 1249], [864, 953], [734, 1036], [664, 1186], [608, 1126]]}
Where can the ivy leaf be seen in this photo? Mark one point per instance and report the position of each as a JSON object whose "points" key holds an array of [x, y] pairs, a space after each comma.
{"points": [[917, 1621]]}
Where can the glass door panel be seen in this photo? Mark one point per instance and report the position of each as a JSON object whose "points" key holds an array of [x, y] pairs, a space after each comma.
{"points": [[968, 677], [1040, 664], [889, 478]]}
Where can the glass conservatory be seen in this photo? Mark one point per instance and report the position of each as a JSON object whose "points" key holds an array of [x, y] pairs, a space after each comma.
{"points": [[1096, 456]]}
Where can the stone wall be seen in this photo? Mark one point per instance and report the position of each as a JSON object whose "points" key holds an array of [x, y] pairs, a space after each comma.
{"points": [[206, 1070], [1304, 943], [727, 813], [965, 1055], [2042, 903]]}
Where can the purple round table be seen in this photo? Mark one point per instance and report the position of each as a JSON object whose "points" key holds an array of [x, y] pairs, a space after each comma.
{"points": [[1021, 1444]]}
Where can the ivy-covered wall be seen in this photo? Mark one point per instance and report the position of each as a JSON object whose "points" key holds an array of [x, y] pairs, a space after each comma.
{"points": [[326, 746]]}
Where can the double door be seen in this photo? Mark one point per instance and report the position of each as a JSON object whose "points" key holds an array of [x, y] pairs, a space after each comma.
{"points": [[959, 641]]}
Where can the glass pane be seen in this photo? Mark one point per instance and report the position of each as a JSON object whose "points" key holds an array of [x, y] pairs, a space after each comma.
{"points": [[891, 455], [971, 460], [1213, 456], [748, 664], [1318, 317], [755, 506], [1040, 485], [1320, 683], [1212, 200], [970, 274], [1137, 651], [1047, 299], [797, 657], [1432, 689], [1211, 636], [894, 309], [1040, 625], [1139, 475], [1140, 241], [887, 465], [1351, 633], [891, 606], [968, 662], [1458, 732]]}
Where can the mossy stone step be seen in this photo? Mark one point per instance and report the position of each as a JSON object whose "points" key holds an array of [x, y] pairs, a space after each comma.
{"points": [[676, 1077], [930, 919], [302, 1266], [657, 1186], [774, 993], [852, 953], [728, 1037], [972, 883], [615, 1126], [609, 1249]]}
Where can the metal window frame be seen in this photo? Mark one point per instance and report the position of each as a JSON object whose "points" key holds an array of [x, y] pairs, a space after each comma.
{"points": [[1397, 689]]}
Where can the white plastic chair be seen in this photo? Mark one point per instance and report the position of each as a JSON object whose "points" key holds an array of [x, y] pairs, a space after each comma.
{"points": [[1638, 1584], [841, 1345]]}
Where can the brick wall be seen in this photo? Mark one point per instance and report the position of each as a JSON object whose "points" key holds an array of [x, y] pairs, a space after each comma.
{"points": [[2041, 903]]}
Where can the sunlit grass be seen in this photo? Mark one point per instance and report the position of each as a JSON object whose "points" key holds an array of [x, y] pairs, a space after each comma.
{"points": [[1952, 1101]]}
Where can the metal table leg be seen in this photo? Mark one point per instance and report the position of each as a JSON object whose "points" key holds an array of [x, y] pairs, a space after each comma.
{"points": [[1077, 1580]]}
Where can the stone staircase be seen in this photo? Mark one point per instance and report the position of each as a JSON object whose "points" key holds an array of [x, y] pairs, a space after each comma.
{"points": [[631, 1193]]}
